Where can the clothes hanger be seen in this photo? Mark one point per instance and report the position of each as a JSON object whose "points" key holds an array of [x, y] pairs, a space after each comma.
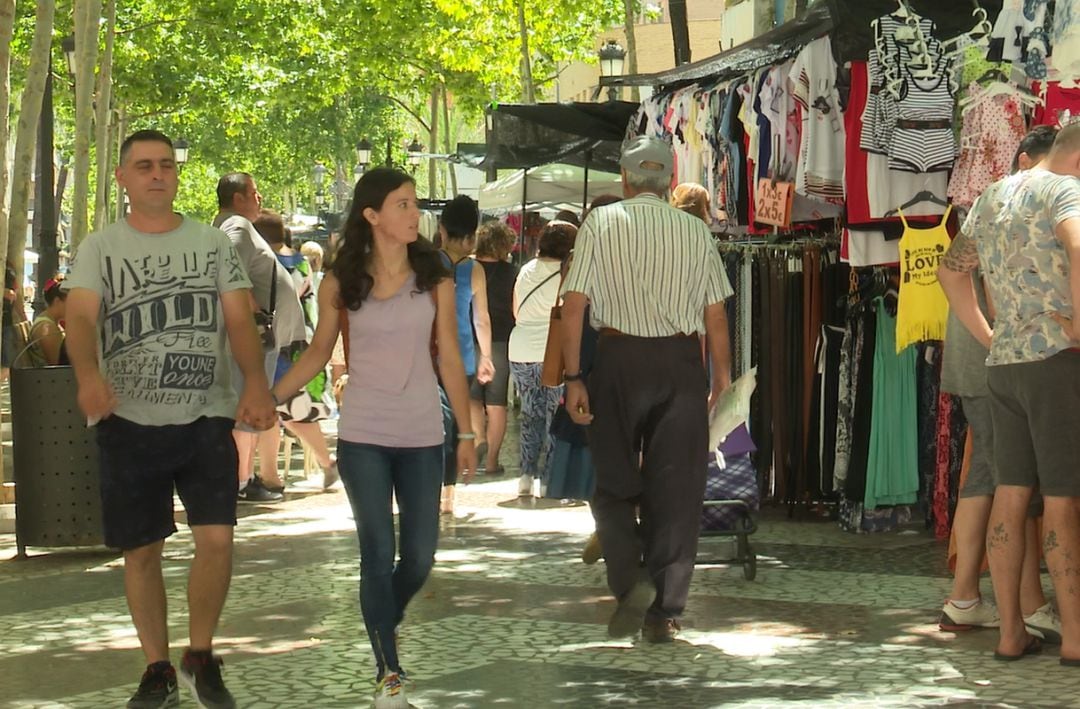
{"points": [[924, 196], [982, 21], [902, 10], [1002, 85]]}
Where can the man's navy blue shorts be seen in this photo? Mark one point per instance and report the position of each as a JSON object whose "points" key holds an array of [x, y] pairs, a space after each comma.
{"points": [[140, 466]]}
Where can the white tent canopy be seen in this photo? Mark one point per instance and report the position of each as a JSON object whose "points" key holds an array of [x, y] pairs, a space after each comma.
{"points": [[553, 186]]}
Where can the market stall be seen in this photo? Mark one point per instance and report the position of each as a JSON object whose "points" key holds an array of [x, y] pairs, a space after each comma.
{"points": [[843, 147]]}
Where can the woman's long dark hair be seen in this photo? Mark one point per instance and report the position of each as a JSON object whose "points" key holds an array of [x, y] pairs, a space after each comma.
{"points": [[353, 258]]}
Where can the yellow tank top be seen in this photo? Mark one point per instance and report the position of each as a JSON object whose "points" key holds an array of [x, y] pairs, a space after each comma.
{"points": [[923, 309]]}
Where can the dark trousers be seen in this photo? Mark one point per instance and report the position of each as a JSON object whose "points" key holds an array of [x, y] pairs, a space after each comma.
{"points": [[648, 440]]}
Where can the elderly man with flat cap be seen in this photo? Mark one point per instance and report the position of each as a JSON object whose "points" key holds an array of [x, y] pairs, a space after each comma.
{"points": [[655, 283]]}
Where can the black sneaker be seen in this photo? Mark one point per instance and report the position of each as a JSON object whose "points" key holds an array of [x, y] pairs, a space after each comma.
{"points": [[256, 493], [201, 673], [157, 690]]}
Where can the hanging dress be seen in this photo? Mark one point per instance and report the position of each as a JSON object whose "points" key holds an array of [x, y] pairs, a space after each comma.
{"points": [[993, 128], [892, 466], [923, 309]]}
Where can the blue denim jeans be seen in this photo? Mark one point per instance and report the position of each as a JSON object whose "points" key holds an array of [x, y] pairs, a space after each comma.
{"points": [[372, 476]]}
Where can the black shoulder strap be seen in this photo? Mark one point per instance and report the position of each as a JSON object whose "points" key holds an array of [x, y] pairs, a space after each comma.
{"points": [[538, 287]]}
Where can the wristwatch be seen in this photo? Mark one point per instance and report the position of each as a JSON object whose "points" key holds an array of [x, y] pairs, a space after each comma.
{"points": [[573, 377]]}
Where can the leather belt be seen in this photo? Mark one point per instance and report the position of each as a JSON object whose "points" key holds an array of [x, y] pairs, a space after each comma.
{"points": [[923, 125], [612, 332]]}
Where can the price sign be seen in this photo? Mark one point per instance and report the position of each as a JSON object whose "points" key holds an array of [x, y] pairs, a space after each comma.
{"points": [[773, 202]]}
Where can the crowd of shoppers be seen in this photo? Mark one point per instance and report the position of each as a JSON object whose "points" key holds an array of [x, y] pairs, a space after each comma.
{"points": [[433, 340]]}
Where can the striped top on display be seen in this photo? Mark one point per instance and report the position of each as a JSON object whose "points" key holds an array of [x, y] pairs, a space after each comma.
{"points": [[647, 268], [923, 140]]}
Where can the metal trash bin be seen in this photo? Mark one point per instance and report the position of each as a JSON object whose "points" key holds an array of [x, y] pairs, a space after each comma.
{"points": [[57, 484]]}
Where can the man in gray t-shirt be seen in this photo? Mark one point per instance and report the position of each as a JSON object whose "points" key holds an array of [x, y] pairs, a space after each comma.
{"points": [[273, 291], [151, 302]]}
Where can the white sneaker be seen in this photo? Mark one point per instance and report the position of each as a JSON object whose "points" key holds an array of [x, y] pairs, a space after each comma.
{"points": [[390, 692], [525, 486], [983, 614], [1045, 624]]}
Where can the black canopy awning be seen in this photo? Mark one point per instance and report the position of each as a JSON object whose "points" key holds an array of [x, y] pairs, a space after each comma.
{"points": [[768, 49], [526, 135], [847, 22]]}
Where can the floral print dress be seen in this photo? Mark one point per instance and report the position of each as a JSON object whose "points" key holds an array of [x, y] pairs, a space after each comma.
{"points": [[993, 129]]}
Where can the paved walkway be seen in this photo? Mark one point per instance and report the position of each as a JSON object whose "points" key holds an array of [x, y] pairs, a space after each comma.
{"points": [[512, 618]]}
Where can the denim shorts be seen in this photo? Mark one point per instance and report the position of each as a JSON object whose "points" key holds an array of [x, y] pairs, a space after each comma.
{"points": [[141, 465]]}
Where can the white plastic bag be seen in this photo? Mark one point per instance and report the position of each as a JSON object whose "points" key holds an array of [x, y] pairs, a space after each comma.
{"points": [[732, 409]]}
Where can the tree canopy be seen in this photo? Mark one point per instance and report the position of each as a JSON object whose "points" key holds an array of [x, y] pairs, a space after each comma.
{"points": [[274, 86]]}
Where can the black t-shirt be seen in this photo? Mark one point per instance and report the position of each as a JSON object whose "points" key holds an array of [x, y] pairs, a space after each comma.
{"points": [[10, 280], [500, 292]]}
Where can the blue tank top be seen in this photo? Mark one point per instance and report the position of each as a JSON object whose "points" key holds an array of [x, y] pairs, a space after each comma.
{"points": [[463, 297]]}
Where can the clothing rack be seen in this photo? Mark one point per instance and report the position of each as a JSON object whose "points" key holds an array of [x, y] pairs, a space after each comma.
{"points": [[784, 294]]}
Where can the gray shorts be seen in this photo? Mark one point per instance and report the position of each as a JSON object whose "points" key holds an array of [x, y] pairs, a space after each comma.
{"points": [[981, 479], [1036, 409]]}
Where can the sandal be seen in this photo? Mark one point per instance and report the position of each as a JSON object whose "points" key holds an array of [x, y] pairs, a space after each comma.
{"points": [[1034, 647]]}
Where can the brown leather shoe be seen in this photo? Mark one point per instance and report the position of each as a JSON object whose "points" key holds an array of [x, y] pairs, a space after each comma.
{"points": [[660, 630]]}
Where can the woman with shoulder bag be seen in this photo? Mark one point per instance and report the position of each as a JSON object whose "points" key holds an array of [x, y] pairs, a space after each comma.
{"points": [[396, 300], [535, 293]]}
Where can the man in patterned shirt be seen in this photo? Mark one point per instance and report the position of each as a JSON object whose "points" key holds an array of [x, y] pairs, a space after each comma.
{"points": [[1024, 233]]}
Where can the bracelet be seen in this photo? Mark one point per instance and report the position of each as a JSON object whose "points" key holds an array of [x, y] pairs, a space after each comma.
{"points": [[274, 397], [573, 377], [466, 436]]}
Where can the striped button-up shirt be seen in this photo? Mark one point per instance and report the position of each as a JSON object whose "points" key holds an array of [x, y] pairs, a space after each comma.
{"points": [[647, 268]]}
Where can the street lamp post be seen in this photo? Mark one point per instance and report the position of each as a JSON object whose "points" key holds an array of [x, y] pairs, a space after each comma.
{"points": [[318, 176], [612, 59], [363, 154], [415, 154], [68, 45], [180, 149]]}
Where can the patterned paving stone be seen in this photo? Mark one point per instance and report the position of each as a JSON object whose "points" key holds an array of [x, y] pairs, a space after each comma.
{"points": [[510, 617]]}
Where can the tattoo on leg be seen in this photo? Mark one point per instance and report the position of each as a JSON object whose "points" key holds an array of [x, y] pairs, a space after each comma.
{"points": [[997, 538], [1051, 542]]}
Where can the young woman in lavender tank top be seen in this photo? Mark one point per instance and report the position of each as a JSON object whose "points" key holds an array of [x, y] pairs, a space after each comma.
{"points": [[396, 295]]}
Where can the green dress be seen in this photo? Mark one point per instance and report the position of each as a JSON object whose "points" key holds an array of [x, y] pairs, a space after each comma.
{"points": [[892, 471]]}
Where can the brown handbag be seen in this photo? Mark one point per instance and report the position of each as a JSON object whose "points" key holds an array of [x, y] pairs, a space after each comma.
{"points": [[552, 372]]}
